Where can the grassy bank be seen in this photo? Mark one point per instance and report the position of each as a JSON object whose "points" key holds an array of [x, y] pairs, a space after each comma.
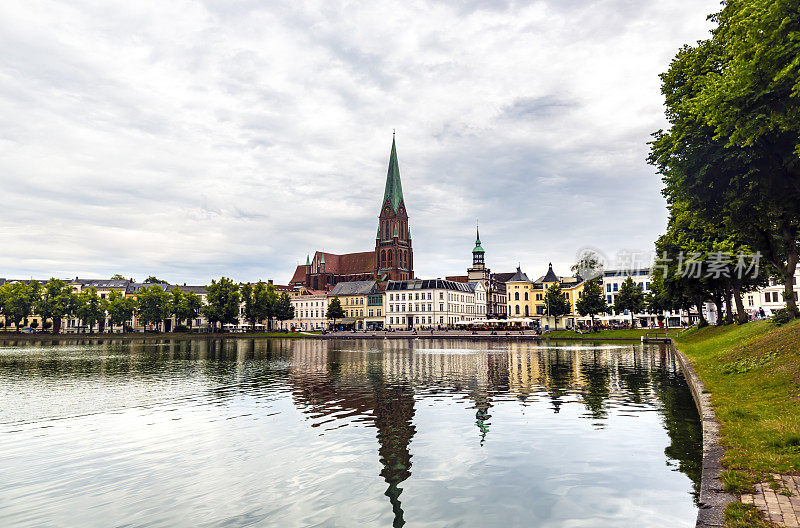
{"points": [[632, 333], [753, 374]]}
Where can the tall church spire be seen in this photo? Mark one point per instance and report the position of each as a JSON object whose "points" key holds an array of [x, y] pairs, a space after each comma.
{"points": [[394, 190]]}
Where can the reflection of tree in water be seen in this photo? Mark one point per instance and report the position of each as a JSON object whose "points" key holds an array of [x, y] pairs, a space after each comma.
{"points": [[636, 378], [681, 421], [597, 375], [559, 368]]}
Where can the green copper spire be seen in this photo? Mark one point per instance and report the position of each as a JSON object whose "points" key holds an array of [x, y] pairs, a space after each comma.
{"points": [[478, 248], [323, 259], [394, 190], [308, 261], [378, 235]]}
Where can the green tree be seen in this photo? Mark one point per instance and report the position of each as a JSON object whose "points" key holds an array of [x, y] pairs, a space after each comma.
{"points": [[631, 298], [191, 306], [177, 305], [335, 310], [283, 308], [592, 301], [18, 300], [55, 303], [120, 309], [152, 305], [154, 280], [556, 302], [89, 308], [117, 276], [222, 302], [731, 150]]}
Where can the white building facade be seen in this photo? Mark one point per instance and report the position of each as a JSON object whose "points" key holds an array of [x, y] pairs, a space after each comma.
{"points": [[433, 303]]}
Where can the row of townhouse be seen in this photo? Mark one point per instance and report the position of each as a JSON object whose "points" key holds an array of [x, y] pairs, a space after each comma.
{"points": [[405, 304], [526, 300], [527, 304]]}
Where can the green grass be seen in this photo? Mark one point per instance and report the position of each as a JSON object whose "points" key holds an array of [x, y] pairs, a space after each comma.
{"points": [[753, 374], [738, 515], [627, 333]]}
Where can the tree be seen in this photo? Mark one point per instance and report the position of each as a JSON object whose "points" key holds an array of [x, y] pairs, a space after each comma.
{"points": [[592, 301], [222, 302], [89, 309], [120, 309], [631, 298], [732, 148], [283, 308], [556, 302], [154, 280], [191, 306], [177, 305], [335, 310], [117, 276], [18, 300], [55, 302], [152, 305]]}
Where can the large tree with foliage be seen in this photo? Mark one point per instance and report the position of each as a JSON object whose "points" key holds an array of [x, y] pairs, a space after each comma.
{"points": [[631, 298], [731, 151], [335, 310], [222, 302], [556, 302], [89, 308], [259, 302], [283, 307], [592, 300], [120, 309], [152, 305], [18, 300], [55, 302]]}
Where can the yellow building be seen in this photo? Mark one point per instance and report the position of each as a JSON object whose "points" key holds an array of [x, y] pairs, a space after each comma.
{"points": [[527, 299], [355, 299]]}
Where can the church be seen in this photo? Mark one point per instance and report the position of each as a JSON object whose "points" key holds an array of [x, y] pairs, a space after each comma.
{"points": [[392, 258]]}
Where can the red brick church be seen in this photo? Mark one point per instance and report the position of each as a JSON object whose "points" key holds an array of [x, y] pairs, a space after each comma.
{"points": [[392, 258]]}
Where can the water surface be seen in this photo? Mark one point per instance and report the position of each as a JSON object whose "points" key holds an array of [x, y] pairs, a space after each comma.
{"points": [[422, 433]]}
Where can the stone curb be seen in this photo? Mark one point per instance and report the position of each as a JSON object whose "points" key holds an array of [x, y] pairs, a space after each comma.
{"points": [[713, 498]]}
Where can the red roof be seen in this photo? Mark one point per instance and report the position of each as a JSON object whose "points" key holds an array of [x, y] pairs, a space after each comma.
{"points": [[458, 278], [349, 263], [299, 276]]}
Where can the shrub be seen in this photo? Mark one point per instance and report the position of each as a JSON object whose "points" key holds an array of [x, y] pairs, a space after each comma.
{"points": [[781, 317], [181, 328]]}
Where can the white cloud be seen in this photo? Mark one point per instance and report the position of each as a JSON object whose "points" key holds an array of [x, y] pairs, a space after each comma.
{"points": [[192, 139]]}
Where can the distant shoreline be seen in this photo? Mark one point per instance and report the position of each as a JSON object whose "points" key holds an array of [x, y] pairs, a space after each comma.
{"points": [[32, 338]]}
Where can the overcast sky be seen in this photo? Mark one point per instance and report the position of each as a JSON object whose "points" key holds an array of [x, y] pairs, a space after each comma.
{"points": [[192, 139]]}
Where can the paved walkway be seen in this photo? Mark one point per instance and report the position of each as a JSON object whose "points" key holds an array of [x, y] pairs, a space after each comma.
{"points": [[776, 506]]}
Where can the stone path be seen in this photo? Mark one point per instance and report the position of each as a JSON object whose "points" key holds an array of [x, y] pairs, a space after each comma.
{"points": [[777, 507]]}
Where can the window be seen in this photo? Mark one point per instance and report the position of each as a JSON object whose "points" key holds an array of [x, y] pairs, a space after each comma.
{"points": [[526, 296], [616, 286], [609, 301], [517, 309], [516, 296], [750, 300], [608, 287]]}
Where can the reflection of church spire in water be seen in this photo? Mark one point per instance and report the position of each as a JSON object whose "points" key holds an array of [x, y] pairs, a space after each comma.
{"points": [[482, 417], [394, 412]]}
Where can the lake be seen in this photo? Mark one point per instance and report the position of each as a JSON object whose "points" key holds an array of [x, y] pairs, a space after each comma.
{"points": [[343, 433]]}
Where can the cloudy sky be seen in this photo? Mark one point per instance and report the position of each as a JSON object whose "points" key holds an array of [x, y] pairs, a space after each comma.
{"points": [[191, 139]]}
